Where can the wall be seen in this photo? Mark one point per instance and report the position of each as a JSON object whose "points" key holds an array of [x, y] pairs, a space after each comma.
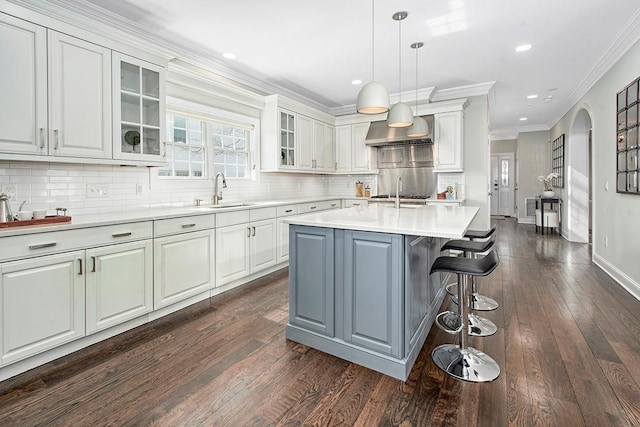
{"points": [[533, 159], [504, 146], [615, 216]]}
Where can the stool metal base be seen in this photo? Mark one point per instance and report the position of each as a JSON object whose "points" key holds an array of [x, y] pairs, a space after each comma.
{"points": [[449, 322], [468, 364], [480, 302]]}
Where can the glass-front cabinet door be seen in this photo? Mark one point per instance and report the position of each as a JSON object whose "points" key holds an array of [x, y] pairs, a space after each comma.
{"points": [[287, 139], [139, 109]]}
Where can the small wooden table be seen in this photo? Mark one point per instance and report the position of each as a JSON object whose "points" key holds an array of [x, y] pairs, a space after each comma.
{"points": [[551, 201]]}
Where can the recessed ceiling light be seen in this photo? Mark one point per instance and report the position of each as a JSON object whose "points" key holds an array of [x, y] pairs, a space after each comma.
{"points": [[523, 119], [532, 96], [523, 48], [548, 98], [229, 55], [356, 82]]}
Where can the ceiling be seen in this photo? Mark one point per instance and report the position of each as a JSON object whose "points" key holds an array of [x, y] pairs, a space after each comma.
{"points": [[316, 48]]}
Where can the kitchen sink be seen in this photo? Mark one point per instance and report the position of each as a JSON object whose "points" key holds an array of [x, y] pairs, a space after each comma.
{"points": [[225, 206]]}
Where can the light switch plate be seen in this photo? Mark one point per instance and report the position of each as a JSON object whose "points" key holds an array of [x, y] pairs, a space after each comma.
{"points": [[97, 190]]}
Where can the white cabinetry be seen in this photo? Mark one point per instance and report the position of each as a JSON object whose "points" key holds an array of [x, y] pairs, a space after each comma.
{"points": [[138, 109], [119, 283], [245, 243], [183, 259], [349, 203], [352, 154], [42, 302], [283, 231], [304, 136], [316, 145], [448, 142], [65, 111]]}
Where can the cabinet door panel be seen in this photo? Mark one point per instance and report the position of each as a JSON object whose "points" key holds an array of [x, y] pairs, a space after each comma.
{"points": [[42, 302], [311, 279], [448, 141], [263, 244], [80, 98], [373, 278], [319, 148], [119, 284], [343, 148], [283, 240], [23, 85], [330, 148], [359, 151], [304, 136], [232, 247], [183, 266]]}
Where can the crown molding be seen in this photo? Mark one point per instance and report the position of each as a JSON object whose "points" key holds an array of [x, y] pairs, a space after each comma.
{"points": [[628, 35], [512, 133], [467, 91]]}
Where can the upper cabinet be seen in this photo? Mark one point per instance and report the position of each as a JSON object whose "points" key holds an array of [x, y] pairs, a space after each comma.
{"points": [[138, 109], [58, 103], [448, 142], [295, 141], [352, 154]]}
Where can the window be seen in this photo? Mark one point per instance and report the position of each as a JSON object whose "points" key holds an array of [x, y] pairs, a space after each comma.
{"points": [[190, 141], [231, 150], [186, 147]]}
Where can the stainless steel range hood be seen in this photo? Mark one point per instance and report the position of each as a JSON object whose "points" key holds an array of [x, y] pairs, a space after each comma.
{"points": [[381, 134]]}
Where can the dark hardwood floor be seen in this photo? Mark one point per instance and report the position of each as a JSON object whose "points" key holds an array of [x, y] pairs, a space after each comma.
{"points": [[568, 344]]}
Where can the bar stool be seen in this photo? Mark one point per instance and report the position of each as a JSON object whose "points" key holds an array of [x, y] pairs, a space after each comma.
{"points": [[463, 361], [480, 302], [450, 321]]}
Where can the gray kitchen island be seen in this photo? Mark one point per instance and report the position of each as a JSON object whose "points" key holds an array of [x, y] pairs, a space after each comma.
{"points": [[359, 283]]}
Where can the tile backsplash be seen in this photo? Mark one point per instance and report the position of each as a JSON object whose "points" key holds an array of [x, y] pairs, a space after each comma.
{"points": [[89, 189]]}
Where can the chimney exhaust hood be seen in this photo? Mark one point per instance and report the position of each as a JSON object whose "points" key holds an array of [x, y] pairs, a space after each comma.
{"points": [[381, 134]]}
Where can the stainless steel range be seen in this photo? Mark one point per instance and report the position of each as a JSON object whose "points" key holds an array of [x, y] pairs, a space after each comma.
{"points": [[413, 163]]}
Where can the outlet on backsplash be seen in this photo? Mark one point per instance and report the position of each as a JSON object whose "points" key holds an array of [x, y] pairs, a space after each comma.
{"points": [[9, 190], [97, 190]]}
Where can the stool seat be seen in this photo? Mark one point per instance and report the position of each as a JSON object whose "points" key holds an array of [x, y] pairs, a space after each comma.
{"points": [[469, 245], [480, 234], [470, 266]]}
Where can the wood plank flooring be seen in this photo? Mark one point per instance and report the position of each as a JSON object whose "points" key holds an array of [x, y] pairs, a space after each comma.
{"points": [[568, 344]]}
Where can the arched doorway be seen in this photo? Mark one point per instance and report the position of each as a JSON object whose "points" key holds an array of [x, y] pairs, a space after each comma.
{"points": [[579, 183]]}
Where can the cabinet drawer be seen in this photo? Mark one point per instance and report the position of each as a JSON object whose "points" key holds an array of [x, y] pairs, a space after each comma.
{"points": [[263, 213], [287, 210], [166, 227], [14, 247], [232, 218], [318, 206]]}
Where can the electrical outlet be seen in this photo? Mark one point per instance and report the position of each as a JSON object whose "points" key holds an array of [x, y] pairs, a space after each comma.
{"points": [[606, 242], [9, 190], [97, 190], [606, 185]]}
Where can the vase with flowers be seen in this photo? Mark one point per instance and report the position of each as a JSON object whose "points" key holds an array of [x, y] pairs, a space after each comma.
{"points": [[548, 184]]}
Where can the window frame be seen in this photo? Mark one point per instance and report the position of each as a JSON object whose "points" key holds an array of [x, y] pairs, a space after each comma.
{"points": [[205, 146]]}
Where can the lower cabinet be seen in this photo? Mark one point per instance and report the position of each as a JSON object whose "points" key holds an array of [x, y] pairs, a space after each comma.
{"points": [[183, 266], [245, 249], [119, 283], [43, 304], [373, 291], [311, 270]]}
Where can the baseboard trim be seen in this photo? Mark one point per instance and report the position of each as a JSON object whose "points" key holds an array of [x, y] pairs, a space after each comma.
{"points": [[620, 277]]}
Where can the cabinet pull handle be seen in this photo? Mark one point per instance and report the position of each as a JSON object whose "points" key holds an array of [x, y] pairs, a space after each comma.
{"points": [[333, 205], [312, 207], [80, 262], [288, 211], [56, 134], [253, 231], [93, 260], [188, 225], [43, 245], [125, 234], [248, 231], [354, 204], [41, 137]]}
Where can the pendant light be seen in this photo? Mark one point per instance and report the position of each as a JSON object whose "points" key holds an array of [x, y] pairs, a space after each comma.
{"points": [[420, 126], [373, 97], [400, 115]]}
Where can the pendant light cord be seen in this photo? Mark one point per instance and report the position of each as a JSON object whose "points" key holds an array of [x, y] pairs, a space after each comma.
{"points": [[373, 40], [400, 60], [417, 80]]}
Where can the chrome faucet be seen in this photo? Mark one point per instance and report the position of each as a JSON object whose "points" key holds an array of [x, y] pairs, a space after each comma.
{"points": [[217, 195], [398, 187]]}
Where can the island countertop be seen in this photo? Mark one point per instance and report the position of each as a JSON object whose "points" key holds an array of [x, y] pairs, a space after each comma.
{"points": [[449, 222]]}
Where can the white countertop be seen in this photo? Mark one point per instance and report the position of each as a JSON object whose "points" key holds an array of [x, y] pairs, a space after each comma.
{"points": [[450, 222]]}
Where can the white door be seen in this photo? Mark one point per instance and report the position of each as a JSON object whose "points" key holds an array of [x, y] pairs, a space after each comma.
{"points": [[495, 185], [319, 147], [42, 304], [23, 85], [343, 148], [263, 244], [329, 148], [232, 248], [305, 142], [79, 97], [503, 184], [283, 240], [119, 283], [183, 266]]}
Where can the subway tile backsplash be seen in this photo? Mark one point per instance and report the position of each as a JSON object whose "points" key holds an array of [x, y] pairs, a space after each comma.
{"points": [[115, 188]]}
